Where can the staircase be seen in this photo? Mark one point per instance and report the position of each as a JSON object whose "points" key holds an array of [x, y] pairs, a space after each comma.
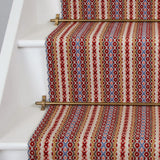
{"points": [[23, 74]]}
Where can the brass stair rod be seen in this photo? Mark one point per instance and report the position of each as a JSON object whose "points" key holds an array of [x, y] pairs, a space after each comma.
{"points": [[57, 20], [44, 103]]}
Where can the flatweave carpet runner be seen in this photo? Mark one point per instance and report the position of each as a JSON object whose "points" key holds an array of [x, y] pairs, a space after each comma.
{"points": [[110, 9], [101, 62]]}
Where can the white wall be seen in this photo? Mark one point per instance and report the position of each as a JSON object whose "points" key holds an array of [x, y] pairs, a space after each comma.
{"points": [[5, 7]]}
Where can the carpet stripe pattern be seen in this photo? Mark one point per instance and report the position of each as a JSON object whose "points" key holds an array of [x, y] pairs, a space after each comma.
{"points": [[110, 9], [101, 62]]}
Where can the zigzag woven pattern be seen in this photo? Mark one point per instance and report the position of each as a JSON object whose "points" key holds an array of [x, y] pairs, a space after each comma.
{"points": [[110, 9], [94, 62]]}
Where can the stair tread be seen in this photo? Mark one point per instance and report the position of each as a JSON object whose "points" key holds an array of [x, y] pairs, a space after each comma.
{"points": [[17, 136], [36, 37]]}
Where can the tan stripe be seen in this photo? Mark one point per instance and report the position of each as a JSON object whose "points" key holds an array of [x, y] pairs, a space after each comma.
{"points": [[124, 9], [153, 9], [109, 9], [98, 9], [69, 9]]}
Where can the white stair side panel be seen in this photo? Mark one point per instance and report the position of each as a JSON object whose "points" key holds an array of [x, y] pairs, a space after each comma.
{"points": [[9, 41]]}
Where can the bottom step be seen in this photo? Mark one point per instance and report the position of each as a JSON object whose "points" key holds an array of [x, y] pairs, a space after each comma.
{"points": [[13, 155], [16, 132]]}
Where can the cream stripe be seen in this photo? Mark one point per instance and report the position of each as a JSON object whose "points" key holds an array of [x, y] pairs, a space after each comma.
{"points": [[156, 133], [156, 62], [156, 9], [99, 63], [83, 132], [131, 38], [58, 63], [91, 61], [106, 9], [134, 9], [120, 134], [46, 132], [124, 61], [91, 132], [100, 9], [128, 133], [78, 7], [128, 14], [71, 8]]}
